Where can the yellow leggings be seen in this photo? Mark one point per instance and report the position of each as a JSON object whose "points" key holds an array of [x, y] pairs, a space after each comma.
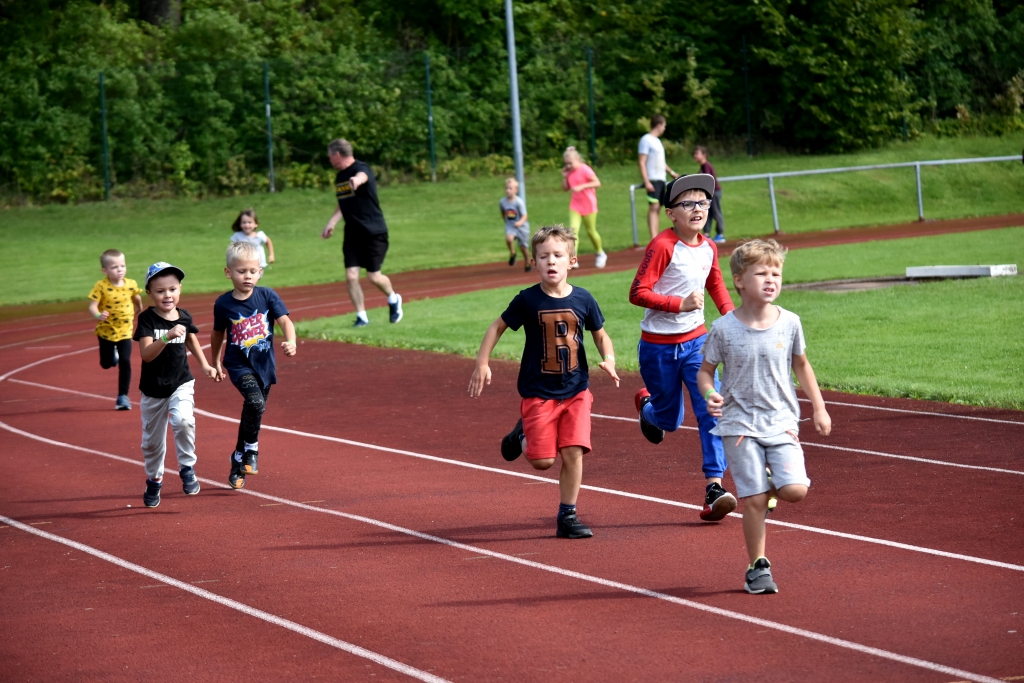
{"points": [[590, 223]]}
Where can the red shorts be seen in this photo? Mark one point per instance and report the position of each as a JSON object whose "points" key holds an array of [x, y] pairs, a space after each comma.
{"points": [[550, 425]]}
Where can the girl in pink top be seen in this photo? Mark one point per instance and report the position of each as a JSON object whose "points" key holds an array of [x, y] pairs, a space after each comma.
{"points": [[581, 180]]}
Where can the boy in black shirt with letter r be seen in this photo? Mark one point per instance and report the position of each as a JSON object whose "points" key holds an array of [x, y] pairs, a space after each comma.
{"points": [[168, 388], [553, 377]]}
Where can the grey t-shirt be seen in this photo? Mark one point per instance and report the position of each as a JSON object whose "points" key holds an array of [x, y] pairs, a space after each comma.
{"points": [[757, 382], [512, 211]]}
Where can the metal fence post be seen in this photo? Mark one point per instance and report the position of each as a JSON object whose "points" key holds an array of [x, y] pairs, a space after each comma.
{"points": [[430, 121], [106, 149], [746, 91], [632, 206], [775, 210], [590, 87], [513, 83], [920, 200], [270, 129]]}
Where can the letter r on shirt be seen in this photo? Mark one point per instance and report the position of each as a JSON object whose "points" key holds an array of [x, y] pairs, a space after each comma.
{"points": [[561, 330]]}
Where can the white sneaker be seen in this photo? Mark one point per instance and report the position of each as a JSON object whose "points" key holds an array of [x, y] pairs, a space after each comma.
{"points": [[601, 260]]}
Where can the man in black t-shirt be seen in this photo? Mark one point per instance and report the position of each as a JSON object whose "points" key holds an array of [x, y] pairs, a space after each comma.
{"points": [[366, 233]]}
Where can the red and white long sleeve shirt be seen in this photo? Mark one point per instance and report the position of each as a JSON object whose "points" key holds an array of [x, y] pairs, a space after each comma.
{"points": [[670, 272]]}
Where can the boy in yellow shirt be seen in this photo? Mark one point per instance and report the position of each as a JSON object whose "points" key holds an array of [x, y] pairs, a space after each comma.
{"points": [[115, 302]]}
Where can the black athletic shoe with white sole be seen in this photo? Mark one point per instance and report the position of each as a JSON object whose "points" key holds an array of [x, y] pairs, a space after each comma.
{"points": [[151, 498], [570, 526], [759, 578], [650, 432], [396, 309], [189, 481], [512, 443], [717, 503]]}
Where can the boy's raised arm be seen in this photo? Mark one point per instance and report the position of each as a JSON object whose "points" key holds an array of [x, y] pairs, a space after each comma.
{"points": [[288, 327], [604, 346], [809, 383], [193, 345], [482, 372]]}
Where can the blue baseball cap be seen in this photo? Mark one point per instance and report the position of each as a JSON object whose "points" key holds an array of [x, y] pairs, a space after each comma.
{"points": [[161, 267]]}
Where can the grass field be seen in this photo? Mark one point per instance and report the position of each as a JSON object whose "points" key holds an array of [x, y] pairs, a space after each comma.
{"points": [[954, 341], [50, 253]]}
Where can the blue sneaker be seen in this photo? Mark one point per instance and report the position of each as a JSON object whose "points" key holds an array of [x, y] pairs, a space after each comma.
{"points": [[396, 309], [123, 403], [189, 481], [719, 239], [360, 322], [152, 495]]}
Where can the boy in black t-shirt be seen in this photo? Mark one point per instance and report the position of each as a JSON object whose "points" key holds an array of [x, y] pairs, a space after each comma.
{"points": [[244, 318], [168, 388], [553, 377]]}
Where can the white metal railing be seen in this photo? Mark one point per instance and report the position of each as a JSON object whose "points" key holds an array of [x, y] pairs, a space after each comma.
{"points": [[770, 177]]}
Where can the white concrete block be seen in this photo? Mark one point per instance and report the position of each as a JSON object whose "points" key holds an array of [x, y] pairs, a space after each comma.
{"points": [[962, 271]]}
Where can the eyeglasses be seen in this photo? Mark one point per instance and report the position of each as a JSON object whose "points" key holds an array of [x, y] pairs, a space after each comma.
{"points": [[690, 205]]}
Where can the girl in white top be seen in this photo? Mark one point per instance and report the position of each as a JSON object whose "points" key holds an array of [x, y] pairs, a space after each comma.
{"points": [[246, 228]]}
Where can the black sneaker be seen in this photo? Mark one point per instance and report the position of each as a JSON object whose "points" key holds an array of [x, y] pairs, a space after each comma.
{"points": [[396, 309], [237, 477], [717, 503], [152, 495], [360, 322], [527, 269], [250, 462], [512, 443], [512, 260], [650, 432], [189, 481], [570, 526], [759, 578]]}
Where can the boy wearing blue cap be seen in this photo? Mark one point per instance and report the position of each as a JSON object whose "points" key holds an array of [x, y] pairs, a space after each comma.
{"points": [[164, 332]]}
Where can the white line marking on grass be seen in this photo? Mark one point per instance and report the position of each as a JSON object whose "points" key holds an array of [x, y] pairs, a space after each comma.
{"points": [[862, 451], [478, 553], [235, 605], [545, 480], [920, 412]]}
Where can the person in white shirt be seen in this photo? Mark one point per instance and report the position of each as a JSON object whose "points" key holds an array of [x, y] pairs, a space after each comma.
{"points": [[652, 170], [247, 229]]}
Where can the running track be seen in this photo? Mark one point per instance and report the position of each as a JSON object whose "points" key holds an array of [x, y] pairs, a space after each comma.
{"points": [[386, 540]]}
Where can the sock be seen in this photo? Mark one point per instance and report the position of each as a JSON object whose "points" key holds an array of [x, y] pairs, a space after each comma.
{"points": [[564, 510], [362, 316], [238, 456], [393, 297], [254, 446]]}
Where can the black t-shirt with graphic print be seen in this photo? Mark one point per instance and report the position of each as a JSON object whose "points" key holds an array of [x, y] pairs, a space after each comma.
{"points": [[360, 208], [169, 370], [554, 364]]}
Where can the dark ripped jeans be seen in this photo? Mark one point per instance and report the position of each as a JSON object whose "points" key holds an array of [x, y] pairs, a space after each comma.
{"points": [[255, 397]]}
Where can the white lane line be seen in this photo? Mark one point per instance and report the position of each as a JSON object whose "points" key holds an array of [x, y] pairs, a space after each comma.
{"points": [[920, 412], [929, 461], [38, 339], [480, 552], [548, 480], [233, 604]]}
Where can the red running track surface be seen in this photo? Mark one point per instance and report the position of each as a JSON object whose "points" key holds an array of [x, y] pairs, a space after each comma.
{"points": [[920, 559]]}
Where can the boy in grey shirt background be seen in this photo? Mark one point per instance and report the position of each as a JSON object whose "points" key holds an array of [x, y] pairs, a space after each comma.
{"points": [[517, 229], [760, 345]]}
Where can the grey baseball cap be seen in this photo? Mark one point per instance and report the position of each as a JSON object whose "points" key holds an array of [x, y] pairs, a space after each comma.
{"points": [[694, 181]]}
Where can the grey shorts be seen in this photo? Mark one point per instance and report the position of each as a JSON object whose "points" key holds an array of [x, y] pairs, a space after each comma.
{"points": [[522, 236], [748, 455]]}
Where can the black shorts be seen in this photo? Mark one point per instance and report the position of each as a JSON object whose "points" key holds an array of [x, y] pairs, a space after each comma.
{"points": [[365, 250], [659, 189]]}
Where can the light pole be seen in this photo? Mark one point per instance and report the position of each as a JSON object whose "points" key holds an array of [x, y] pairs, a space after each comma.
{"points": [[513, 78]]}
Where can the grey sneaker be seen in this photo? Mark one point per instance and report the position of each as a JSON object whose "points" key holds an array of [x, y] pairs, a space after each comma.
{"points": [[123, 403], [189, 481], [759, 578]]}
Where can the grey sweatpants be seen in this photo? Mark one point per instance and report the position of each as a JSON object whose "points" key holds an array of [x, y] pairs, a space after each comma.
{"points": [[156, 413]]}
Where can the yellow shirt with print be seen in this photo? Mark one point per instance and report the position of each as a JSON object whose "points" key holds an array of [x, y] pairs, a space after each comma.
{"points": [[118, 302]]}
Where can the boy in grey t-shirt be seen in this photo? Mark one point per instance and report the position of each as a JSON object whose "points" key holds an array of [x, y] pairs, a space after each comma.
{"points": [[517, 229], [760, 345]]}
